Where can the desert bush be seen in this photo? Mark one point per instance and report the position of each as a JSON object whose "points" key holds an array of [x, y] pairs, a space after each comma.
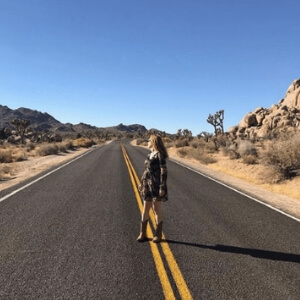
{"points": [[83, 142], [4, 172], [270, 175], [47, 149], [68, 145], [231, 153], [194, 144], [246, 148], [19, 155], [141, 141], [197, 154], [30, 147], [62, 147], [168, 142], [202, 157], [198, 143], [250, 159], [283, 155], [6, 156], [181, 143], [210, 147], [221, 140], [182, 152]]}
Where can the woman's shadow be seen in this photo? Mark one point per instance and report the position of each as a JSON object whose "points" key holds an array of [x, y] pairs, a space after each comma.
{"points": [[263, 254]]}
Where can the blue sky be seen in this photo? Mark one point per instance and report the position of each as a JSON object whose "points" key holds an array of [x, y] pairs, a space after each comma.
{"points": [[164, 64]]}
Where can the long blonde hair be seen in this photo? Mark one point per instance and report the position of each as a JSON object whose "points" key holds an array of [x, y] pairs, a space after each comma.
{"points": [[158, 144]]}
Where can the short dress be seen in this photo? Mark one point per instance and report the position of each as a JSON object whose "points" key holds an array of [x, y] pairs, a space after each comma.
{"points": [[154, 178]]}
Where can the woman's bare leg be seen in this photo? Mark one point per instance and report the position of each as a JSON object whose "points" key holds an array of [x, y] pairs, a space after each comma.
{"points": [[157, 208], [146, 209]]}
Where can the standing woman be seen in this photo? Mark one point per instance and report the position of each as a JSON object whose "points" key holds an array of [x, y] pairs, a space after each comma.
{"points": [[153, 188]]}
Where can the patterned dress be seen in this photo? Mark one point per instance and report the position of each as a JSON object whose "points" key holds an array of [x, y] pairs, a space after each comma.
{"points": [[154, 179]]}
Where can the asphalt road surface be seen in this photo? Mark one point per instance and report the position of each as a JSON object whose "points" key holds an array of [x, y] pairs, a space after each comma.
{"points": [[72, 235]]}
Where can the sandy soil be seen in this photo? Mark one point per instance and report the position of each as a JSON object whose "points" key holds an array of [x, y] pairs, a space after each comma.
{"points": [[20, 171], [242, 177]]}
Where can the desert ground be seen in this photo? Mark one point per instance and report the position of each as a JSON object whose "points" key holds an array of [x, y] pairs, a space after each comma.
{"points": [[23, 170], [244, 178]]}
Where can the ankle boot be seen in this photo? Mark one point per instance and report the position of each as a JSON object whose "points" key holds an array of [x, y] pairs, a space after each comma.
{"points": [[158, 233], [143, 228]]}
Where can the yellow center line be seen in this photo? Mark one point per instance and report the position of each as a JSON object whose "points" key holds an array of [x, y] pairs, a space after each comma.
{"points": [[174, 268]]}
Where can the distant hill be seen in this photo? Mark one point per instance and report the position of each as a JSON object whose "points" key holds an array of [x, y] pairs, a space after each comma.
{"points": [[44, 122], [127, 128]]}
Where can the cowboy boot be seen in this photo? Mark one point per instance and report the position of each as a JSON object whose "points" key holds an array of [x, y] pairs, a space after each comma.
{"points": [[158, 233], [143, 227]]}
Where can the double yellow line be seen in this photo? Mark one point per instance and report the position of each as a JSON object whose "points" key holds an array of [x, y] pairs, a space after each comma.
{"points": [[173, 266]]}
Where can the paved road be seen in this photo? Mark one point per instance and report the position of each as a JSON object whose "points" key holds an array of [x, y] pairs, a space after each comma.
{"points": [[71, 235]]}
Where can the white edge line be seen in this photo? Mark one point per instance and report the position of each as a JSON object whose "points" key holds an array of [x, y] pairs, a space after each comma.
{"points": [[45, 175], [240, 192]]}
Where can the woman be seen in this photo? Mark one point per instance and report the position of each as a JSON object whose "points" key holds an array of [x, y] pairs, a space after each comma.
{"points": [[153, 188]]}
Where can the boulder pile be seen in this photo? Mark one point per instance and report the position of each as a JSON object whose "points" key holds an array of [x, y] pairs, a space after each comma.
{"points": [[264, 122]]}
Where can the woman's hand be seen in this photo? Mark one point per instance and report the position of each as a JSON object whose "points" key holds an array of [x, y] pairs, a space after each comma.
{"points": [[161, 192], [140, 188]]}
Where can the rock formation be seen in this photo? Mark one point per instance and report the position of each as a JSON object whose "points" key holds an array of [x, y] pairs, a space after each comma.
{"points": [[263, 122]]}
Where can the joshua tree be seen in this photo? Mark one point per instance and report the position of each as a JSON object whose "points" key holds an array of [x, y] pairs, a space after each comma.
{"points": [[21, 126], [187, 134], [178, 134], [216, 120]]}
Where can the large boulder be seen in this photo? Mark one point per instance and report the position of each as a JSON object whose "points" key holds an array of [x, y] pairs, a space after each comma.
{"points": [[248, 121], [292, 96], [284, 116]]}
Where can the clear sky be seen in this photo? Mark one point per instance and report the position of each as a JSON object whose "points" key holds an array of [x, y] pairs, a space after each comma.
{"points": [[164, 64]]}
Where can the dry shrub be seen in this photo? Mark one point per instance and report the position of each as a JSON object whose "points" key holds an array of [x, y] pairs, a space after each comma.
{"points": [[196, 154], [19, 155], [181, 143], [6, 155], [249, 159], [210, 147], [232, 154], [220, 140], [194, 144], [4, 172], [231, 151], [64, 146], [68, 145], [30, 147], [202, 157], [198, 144], [169, 145], [83, 142], [47, 149], [182, 152], [283, 156], [246, 148], [168, 142], [141, 141], [270, 175]]}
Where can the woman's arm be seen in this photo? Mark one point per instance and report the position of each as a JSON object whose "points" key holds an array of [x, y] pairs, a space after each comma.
{"points": [[163, 175]]}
